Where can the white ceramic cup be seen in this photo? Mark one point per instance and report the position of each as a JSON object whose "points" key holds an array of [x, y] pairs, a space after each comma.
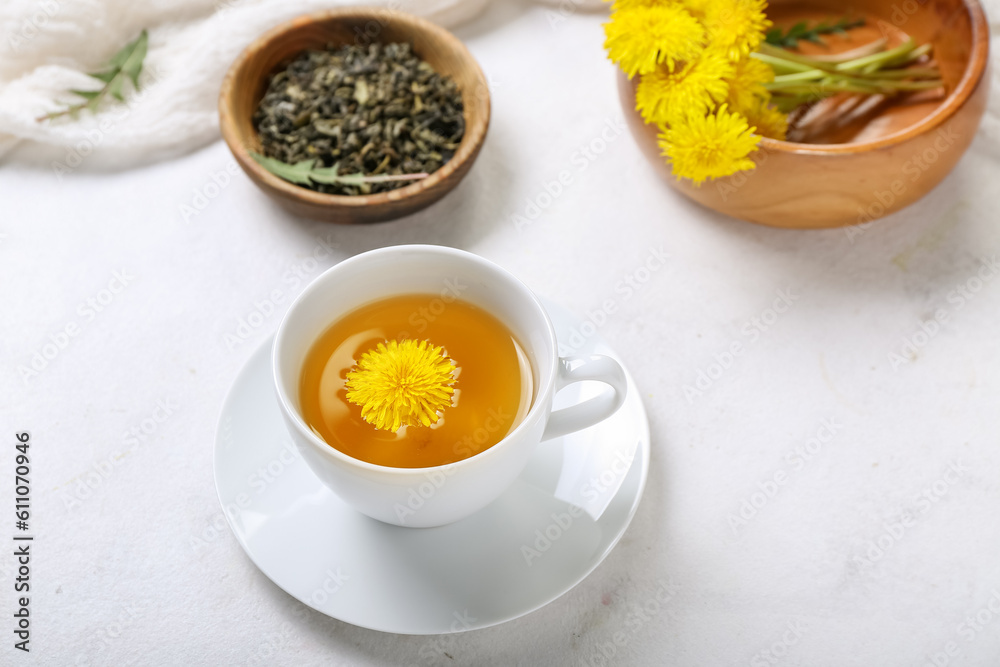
{"points": [[422, 497]]}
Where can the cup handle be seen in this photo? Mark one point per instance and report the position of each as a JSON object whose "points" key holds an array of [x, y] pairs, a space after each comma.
{"points": [[593, 410]]}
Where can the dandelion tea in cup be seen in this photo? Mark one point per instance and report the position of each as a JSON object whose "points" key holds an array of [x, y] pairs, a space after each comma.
{"points": [[412, 382]]}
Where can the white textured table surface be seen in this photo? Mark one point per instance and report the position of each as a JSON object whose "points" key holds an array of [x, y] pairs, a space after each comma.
{"points": [[823, 497]]}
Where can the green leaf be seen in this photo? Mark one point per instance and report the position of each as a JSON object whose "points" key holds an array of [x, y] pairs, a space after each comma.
{"points": [[357, 180], [303, 173], [298, 173], [119, 59], [802, 32], [115, 88], [104, 76], [327, 175], [126, 64], [132, 67]]}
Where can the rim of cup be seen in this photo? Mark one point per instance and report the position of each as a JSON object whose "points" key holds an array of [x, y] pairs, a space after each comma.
{"points": [[542, 394]]}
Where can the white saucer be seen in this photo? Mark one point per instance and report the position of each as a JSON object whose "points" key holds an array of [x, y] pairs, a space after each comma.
{"points": [[471, 574]]}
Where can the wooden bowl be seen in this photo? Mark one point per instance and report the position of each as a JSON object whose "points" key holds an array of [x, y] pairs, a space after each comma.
{"points": [[889, 161], [247, 80]]}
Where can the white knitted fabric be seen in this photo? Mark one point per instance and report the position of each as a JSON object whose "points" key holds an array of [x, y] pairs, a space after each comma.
{"points": [[46, 46]]}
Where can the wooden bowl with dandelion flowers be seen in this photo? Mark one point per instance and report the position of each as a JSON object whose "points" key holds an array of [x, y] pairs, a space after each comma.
{"points": [[881, 101], [359, 124]]}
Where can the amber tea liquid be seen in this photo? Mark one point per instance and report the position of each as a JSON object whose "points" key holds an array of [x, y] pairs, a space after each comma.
{"points": [[492, 394]]}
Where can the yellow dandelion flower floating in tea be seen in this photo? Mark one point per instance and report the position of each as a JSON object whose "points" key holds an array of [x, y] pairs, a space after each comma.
{"points": [[402, 384], [695, 88], [641, 38], [737, 27], [709, 146]]}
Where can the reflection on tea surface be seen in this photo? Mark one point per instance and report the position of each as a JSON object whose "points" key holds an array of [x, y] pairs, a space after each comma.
{"points": [[492, 392]]}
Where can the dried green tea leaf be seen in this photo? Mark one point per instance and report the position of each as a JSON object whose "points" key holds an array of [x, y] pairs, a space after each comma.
{"points": [[379, 114]]}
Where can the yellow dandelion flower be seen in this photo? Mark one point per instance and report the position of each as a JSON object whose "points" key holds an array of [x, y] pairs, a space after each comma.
{"points": [[640, 39], [766, 120], [694, 88], [619, 5], [698, 8], [401, 384], [710, 146], [746, 83], [736, 26]]}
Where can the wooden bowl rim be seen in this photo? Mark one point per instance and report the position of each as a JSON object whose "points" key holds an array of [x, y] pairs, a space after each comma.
{"points": [[471, 140], [971, 78]]}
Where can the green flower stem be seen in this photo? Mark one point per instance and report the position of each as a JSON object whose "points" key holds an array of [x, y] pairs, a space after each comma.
{"points": [[820, 77], [901, 55], [813, 74], [800, 79], [833, 87], [782, 65], [820, 91], [807, 75], [913, 56], [911, 73], [881, 59], [784, 54]]}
